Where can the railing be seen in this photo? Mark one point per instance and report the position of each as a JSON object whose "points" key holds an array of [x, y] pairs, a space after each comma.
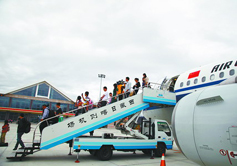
{"points": [[95, 105], [154, 85]]}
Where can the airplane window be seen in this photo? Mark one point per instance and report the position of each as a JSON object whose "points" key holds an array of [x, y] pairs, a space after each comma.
{"points": [[188, 83], [196, 81], [181, 84], [221, 75], [212, 77], [203, 79], [232, 72]]}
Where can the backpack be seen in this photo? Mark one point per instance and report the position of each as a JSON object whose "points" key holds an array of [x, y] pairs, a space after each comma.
{"points": [[28, 126], [51, 113]]}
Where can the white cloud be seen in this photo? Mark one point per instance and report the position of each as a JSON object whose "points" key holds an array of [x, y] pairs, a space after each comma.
{"points": [[67, 43]]}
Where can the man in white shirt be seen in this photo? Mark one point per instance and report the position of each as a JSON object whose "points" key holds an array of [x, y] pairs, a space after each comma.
{"points": [[105, 97], [44, 116], [127, 89]]}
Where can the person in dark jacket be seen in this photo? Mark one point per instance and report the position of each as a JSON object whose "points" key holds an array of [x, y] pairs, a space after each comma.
{"points": [[58, 112], [136, 86], [20, 131], [59, 109]]}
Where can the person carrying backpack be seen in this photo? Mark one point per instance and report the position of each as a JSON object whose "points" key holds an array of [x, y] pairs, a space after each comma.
{"points": [[20, 131]]}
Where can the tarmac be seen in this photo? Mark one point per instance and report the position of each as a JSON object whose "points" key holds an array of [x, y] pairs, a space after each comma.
{"points": [[59, 154]]}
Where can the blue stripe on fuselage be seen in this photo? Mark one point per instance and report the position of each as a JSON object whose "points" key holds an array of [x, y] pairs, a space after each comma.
{"points": [[178, 97]]}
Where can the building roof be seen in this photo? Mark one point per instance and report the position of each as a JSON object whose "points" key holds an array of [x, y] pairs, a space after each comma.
{"points": [[41, 89]]}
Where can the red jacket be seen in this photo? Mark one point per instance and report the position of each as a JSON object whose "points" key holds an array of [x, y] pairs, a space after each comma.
{"points": [[5, 128]]}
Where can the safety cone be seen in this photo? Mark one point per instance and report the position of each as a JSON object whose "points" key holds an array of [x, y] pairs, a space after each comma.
{"points": [[162, 163], [77, 161]]}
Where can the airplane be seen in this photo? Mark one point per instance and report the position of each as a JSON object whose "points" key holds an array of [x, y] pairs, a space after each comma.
{"points": [[218, 73], [204, 118]]}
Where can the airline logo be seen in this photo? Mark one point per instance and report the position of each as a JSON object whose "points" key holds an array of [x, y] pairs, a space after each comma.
{"points": [[194, 74], [223, 66]]}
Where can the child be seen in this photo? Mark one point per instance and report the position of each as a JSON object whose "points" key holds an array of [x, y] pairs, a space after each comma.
{"points": [[5, 129]]}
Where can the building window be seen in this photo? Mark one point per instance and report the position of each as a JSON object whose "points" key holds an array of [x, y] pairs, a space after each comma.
{"points": [[232, 72], [27, 92], [20, 103], [55, 95], [196, 81], [71, 107], [37, 105], [4, 101], [221, 75], [64, 107], [203, 79], [43, 90], [3, 115]]}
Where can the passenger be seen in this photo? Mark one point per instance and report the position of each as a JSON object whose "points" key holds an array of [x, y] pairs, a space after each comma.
{"points": [[136, 86], [127, 89], [58, 112], [115, 93], [44, 117], [5, 129], [88, 101], [20, 131], [79, 105], [145, 80], [121, 95], [104, 98], [59, 109], [110, 98]]}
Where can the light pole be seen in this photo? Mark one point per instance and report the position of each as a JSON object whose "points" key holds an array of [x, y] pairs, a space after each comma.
{"points": [[101, 76]]}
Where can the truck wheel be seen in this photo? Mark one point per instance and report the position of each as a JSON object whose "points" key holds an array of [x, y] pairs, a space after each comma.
{"points": [[105, 153], [161, 148]]}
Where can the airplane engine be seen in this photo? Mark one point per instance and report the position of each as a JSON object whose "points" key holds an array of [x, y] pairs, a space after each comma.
{"points": [[204, 124]]}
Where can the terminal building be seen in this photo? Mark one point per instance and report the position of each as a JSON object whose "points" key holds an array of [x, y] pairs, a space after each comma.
{"points": [[29, 100]]}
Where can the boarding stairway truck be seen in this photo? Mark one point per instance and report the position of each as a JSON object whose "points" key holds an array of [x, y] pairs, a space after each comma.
{"points": [[151, 137], [76, 126]]}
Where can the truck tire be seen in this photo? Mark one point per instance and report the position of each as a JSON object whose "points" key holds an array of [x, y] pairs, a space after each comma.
{"points": [[161, 148], [105, 153]]}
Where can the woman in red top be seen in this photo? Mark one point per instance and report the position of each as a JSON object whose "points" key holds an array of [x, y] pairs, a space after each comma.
{"points": [[5, 129]]}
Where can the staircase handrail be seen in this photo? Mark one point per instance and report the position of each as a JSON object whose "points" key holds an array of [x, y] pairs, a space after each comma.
{"points": [[83, 107]]}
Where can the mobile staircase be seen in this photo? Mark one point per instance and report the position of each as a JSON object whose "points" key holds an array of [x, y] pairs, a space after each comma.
{"points": [[76, 126]]}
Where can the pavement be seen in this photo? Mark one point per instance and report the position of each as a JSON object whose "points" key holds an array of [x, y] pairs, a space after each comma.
{"points": [[59, 154]]}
